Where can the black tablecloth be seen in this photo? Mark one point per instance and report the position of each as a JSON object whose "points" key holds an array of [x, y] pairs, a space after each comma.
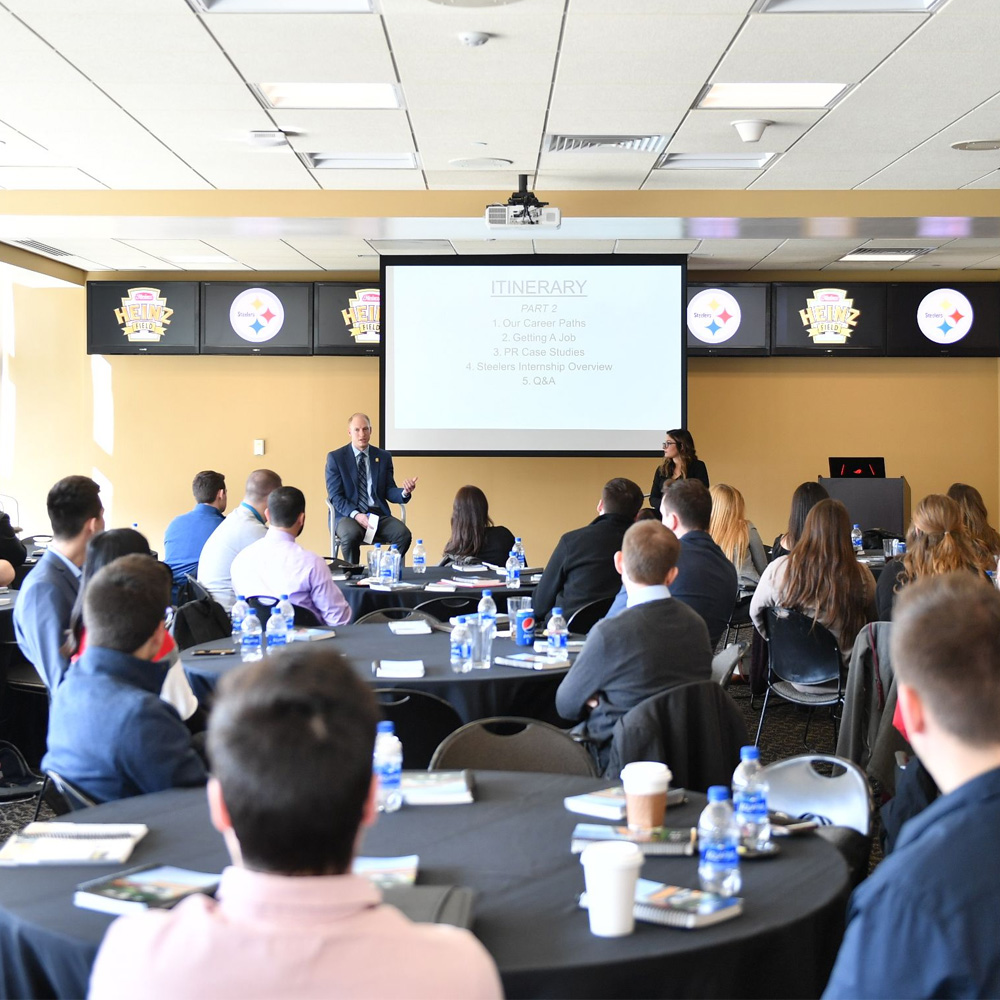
{"points": [[362, 600], [475, 695], [512, 846]]}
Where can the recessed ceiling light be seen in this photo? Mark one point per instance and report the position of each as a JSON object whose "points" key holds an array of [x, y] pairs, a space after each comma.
{"points": [[977, 145], [480, 163], [329, 95], [201, 258], [876, 257], [284, 6], [714, 161], [339, 161], [846, 6], [770, 95], [886, 253]]}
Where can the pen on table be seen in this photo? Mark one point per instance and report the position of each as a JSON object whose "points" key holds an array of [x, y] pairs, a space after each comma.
{"points": [[214, 652]]}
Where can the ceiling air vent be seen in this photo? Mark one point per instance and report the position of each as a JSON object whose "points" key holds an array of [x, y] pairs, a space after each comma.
{"points": [[891, 251], [42, 248], [583, 143]]}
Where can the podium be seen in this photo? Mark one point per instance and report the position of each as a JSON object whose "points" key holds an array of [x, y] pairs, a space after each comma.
{"points": [[873, 503]]}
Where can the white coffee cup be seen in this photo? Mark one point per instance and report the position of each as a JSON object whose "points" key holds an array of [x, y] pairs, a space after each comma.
{"points": [[646, 783], [610, 871]]}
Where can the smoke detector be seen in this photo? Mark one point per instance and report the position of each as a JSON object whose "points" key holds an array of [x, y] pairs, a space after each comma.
{"points": [[474, 38]]}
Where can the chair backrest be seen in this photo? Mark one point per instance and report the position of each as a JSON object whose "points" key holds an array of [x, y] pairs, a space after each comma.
{"points": [[520, 745], [840, 798], [74, 797], [304, 618], [584, 619], [196, 588], [695, 729], [801, 650], [422, 721], [200, 621], [443, 608], [396, 615], [724, 662]]}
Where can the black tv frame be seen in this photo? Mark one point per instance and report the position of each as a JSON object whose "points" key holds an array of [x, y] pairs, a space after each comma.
{"points": [[263, 350], [707, 351]]}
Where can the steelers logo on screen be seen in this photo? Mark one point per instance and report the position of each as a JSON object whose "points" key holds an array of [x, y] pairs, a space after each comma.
{"points": [[944, 316], [713, 316], [256, 315]]}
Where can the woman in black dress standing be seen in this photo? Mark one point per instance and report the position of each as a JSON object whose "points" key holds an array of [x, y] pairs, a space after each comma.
{"points": [[680, 461]]}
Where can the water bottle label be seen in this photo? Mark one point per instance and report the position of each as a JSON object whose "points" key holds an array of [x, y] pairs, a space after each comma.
{"points": [[557, 643], [456, 652], [251, 641], [277, 639], [750, 806], [419, 560], [465, 651], [388, 773], [723, 855], [513, 576]]}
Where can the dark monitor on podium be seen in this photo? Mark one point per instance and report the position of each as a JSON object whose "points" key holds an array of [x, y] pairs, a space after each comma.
{"points": [[855, 467]]}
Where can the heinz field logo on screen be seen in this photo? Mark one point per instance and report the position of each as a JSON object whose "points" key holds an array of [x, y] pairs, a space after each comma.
{"points": [[256, 315], [713, 316], [944, 316], [829, 316], [144, 316], [363, 315]]}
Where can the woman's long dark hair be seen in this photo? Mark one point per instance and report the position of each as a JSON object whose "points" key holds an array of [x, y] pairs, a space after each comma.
{"points": [[805, 497], [983, 536], [685, 452], [470, 517], [102, 549]]}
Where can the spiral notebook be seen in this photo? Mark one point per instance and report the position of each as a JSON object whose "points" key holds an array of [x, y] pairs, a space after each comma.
{"points": [[72, 844]]}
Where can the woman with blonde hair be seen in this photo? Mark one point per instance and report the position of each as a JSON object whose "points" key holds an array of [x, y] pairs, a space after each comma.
{"points": [[984, 537], [936, 543], [821, 577], [680, 461], [736, 536]]}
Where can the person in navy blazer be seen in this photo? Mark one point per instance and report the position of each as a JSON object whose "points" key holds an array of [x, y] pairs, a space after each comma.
{"points": [[352, 512], [44, 604]]}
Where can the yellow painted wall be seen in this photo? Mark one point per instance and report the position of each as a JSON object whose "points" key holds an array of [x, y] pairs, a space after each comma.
{"points": [[763, 425]]}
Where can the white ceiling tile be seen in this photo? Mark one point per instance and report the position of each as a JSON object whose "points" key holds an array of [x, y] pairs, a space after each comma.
{"points": [[615, 7], [700, 180], [473, 180], [705, 131], [990, 180], [807, 254], [490, 245], [655, 246], [552, 245], [347, 131], [370, 180], [264, 255], [46, 179], [113, 253]]}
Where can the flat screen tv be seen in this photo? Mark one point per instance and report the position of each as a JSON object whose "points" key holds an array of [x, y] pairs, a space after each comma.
{"points": [[727, 320], [954, 320], [838, 318], [273, 317], [136, 317], [532, 355], [347, 318]]}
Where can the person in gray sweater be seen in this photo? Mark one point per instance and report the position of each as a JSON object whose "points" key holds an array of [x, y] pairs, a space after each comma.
{"points": [[655, 644]]}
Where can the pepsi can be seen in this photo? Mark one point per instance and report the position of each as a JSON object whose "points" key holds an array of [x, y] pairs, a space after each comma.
{"points": [[524, 634]]}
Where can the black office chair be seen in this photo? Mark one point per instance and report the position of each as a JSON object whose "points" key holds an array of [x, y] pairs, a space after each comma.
{"points": [[509, 743], [421, 720], [584, 619], [62, 795], [443, 608], [802, 652], [196, 589], [304, 618], [739, 618], [383, 615]]}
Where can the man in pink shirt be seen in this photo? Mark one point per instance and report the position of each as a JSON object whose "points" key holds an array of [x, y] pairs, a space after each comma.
{"points": [[276, 564], [290, 742]]}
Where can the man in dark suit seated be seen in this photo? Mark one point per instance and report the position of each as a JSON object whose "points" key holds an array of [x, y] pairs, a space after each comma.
{"points": [[45, 602], [359, 483], [582, 569], [110, 733], [706, 580], [655, 644]]}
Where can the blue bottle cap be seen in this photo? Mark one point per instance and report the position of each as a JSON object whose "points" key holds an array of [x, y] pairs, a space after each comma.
{"points": [[284, 597], [420, 541], [718, 793], [487, 593], [463, 620], [386, 727], [557, 611], [749, 753]]}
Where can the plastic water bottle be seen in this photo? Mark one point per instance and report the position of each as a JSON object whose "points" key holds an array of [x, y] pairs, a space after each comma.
{"points": [[387, 763], [250, 636], [395, 563], [419, 557], [385, 567], [287, 609], [238, 613], [513, 571], [718, 840], [519, 552], [277, 630], [857, 540], [461, 647], [487, 625], [750, 789], [558, 634], [375, 561]]}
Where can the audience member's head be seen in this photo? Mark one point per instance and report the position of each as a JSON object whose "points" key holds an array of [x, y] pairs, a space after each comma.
{"points": [[290, 742], [470, 517], [805, 497], [75, 508], [690, 502], [285, 506], [621, 496], [936, 541], [946, 650], [125, 603], [984, 537], [728, 525], [210, 487], [647, 514], [649, 553], [101, 549], [259, 485]]}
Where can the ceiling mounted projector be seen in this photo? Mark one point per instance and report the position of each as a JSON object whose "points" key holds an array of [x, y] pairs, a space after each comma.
{"points": [[522, 209]]}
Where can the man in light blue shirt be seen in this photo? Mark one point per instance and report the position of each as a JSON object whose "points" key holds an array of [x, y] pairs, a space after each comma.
{"points": [[45, 601]]}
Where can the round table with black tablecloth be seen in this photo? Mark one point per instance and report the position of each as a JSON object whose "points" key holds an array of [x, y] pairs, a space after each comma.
{"points": [[475, 695], [512, 847], [362, 600]]}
